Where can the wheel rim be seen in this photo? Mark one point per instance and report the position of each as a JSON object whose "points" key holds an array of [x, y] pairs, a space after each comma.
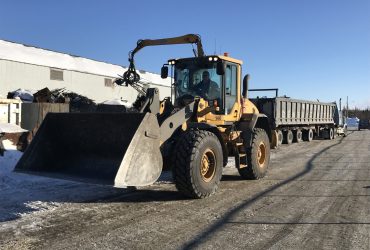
{"points": [[290, 136], [299, 135], [208, 165], [261, 154], [280, 137], [310, 134]]}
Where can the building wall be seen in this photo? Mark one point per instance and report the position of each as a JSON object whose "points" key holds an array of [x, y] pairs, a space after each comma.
{"points": [[15, 75]]}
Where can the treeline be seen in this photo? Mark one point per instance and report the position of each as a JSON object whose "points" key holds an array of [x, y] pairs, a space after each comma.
{"points": [[359, 113]]}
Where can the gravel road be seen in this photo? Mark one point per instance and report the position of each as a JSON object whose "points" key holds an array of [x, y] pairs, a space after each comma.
{"points": [[315, 196]]}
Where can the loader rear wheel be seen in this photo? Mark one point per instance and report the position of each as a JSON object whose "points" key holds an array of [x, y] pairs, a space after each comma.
{"points": [[258, 155], [197, 165]]}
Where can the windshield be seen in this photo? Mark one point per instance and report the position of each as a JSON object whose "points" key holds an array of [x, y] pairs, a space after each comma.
{"points": [[197, 79]]}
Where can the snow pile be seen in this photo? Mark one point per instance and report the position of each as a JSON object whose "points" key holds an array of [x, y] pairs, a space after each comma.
{"points": [[11, 128]]}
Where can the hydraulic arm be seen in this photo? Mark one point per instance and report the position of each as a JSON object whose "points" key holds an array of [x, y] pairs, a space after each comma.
{"points": [[130, 77]]}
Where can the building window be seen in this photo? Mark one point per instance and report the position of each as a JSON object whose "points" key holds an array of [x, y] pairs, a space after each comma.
{"points": [[108, 82], [56, 74]]}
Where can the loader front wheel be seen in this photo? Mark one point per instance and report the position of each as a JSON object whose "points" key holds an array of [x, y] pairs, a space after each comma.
{"points": [[258, 155], [197, 165]]}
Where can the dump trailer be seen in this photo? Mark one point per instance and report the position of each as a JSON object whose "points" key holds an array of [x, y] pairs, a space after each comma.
{"points": [[292, 120], [193, 132]]}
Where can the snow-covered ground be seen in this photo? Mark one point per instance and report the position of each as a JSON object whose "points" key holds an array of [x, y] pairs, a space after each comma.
{"points": [[21, 194]]}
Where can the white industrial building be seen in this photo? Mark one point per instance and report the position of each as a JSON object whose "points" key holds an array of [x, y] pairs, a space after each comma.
{"points": [[32, 68]]}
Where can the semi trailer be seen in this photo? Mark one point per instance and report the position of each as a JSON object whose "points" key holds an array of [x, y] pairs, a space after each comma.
{"points": [[293, 120]]}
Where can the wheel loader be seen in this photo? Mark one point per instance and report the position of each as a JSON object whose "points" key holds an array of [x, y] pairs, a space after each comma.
{"points": [[193, 132]]}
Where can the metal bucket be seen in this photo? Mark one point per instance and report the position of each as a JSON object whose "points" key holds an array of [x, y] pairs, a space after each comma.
{"points": [[119, 149]]}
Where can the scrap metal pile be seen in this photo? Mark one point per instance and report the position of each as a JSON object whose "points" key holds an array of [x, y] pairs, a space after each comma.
{"points": [[77, 102]]}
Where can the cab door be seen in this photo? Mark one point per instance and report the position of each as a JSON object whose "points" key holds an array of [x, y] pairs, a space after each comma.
{"points": [[230, 111], [230, 87]]}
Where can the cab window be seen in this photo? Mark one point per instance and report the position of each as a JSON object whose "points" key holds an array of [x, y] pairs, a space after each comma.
{"points": [[230, 87]]}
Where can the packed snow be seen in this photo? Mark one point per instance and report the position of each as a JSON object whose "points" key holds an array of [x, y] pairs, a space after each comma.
{"points": [[22, 194]]}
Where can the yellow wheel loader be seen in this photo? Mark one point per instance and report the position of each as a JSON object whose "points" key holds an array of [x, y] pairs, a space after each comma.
{"points": [[207, 119]]}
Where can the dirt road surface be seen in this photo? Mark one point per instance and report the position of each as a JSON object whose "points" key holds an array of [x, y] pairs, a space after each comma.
{"points": [[315, 196]]}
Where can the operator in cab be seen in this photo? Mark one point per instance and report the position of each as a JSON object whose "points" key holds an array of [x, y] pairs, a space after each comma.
{"points": [[207, 88]]}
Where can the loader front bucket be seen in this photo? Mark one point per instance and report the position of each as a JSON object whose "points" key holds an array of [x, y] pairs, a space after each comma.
{"points": [[119, 149]]}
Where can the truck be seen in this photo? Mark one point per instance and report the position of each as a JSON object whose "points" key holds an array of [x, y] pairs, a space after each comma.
{"points": [[364, 124], [193, 132], [293, 120]]}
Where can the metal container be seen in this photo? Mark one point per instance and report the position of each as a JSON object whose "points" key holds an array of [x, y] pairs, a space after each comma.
{"points": [[34, 113]]}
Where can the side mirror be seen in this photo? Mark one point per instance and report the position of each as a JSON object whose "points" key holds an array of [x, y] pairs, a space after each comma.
{"points": [[245, 85], [220, 68], [164, 72]]}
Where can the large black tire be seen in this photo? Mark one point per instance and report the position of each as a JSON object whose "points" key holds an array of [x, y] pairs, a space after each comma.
{"points": [[308, 135], [197, 164], [288, 136], [327, 134], [331, 133], [258, 155], [297, 136]]}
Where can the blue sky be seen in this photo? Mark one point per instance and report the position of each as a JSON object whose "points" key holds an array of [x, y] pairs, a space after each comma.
{"points": [[309, 49]]}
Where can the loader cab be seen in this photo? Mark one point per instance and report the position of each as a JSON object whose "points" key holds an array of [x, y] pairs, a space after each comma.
{"points": [[215, 79]]}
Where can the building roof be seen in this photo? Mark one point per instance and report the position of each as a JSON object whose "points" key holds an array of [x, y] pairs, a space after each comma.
{"points": [[37, 56]]}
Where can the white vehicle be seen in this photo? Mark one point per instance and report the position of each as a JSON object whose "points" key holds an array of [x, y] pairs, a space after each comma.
{"points": [[353, 123]]}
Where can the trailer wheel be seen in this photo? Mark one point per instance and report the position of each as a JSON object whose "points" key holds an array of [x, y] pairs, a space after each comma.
{"points": [[331, 133], [258, 155], [288, 137], [298, 136], [308, 135], [198, 161], [279, 137]]}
